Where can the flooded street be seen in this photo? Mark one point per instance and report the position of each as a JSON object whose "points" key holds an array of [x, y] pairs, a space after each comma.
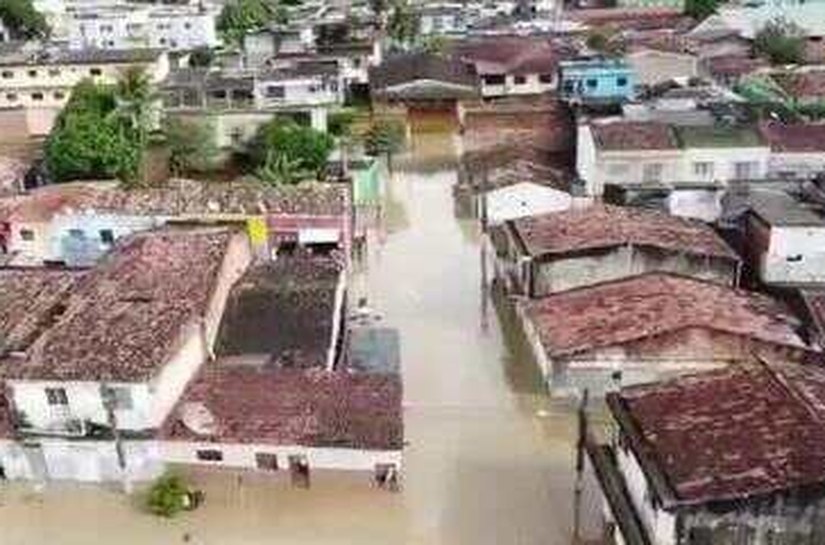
{"points": [[489, 457]]}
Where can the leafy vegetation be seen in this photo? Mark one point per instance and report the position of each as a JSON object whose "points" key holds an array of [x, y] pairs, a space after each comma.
{"points": [[191, 145], [404, 23], [385, 137], [202, 57], [241, 17], [700, 9], [781, 42], [607, 41], [340, 122], [279, 169], [22, 20], [168, 496], [284, 143]]}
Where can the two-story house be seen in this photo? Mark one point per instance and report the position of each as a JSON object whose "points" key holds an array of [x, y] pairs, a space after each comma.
{"points": [[35, 82], [596, 81], [90, 390]]}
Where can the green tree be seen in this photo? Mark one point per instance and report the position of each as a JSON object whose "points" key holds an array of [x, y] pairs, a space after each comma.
{"points": [[202, 57], [279, 169], [385, 137], [22, 20], [340, 122], [781, 42], [700, 9], [241, 17], [167, 496], [404, 23], [135, 100], [191, 145], [92, 139], [307, 148], [607, 41]]}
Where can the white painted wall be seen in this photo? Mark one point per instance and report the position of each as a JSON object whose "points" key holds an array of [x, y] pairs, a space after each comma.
{"points": [[531, 85], [801, 165], [660, 524], [796, 254], [524, 199]]}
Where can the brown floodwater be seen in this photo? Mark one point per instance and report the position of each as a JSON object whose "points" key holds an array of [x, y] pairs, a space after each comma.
{"points": [[489, 456]]}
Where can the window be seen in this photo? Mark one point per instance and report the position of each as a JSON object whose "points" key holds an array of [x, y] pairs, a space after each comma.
{"points": [[187, 26], [275, 91], [107, 236], [592, 83], [621, 81], [77, 234], [8, 74], [11, 97], [27, 235], [794, 258], [267, 461], [58, 95], [652, 173], [121, 398], [54, 72], [703, 170], [617, 169], [495, 79], [56, 396], [520, 80], [32, 73], [209, 455], [546, 78], [95, 71], [37, 96], [745, 170]]}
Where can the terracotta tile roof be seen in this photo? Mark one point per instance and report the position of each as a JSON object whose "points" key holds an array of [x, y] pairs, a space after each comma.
{"points": [[732, 65], [409, 67], [794, 138], [182, 198], [634, 135], [631, 18], [283, 309], [30, 299], [604, 226], [312, 408], [124, 317], [649, 305], [815, 302], [508, 55], [803, 85], [731, 434]]}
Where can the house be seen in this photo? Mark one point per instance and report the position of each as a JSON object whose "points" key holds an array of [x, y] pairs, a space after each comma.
{"points": [[178, 27], [725, 456], [91, 388], [804, 87], [732, 69], [647, 327], [596, 81], [279, 394], [510, 66], [653, 66], [797, 151], [523, 199], [580, 247], [814, 300], [443, 19], [653, 154], [77, 223], [35, 83], [784, 239]]}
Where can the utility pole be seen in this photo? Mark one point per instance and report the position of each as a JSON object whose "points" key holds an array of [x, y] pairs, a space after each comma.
{"points": [[107, 394]]}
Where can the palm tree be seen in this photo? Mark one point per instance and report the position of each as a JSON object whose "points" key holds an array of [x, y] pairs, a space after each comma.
{"points": [[135, 100]]}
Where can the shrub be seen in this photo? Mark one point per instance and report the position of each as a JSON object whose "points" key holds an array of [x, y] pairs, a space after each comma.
{"points": [[168, 496]]}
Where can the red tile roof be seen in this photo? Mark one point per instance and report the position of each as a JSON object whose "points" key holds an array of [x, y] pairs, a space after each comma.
{"points": [[313, 408], [124, 317], [30, 299], [733, 65], [631, 18], [794, 138], [728, 435], [605, 226], [509, 55], [634, 135], [649, 305], [803, 85], [815, 301]]}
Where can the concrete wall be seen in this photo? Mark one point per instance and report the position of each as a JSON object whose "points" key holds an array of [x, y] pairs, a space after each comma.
{"points": [[566, 273], [796, 165], [243, 455], [652, 67], [75, 237], [530, 85], [796, 254], [33, 251]]}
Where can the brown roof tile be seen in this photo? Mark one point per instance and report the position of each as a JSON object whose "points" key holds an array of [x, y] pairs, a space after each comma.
{"points": [[509, 55], [313, 408], [803, 85], [124, 317], [729, 434], [649, 305], [30, 299], [794, 138], [604, 226], [634, 135]]}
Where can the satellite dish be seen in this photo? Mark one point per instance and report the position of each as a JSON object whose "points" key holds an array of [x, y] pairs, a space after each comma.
{"points": [[198, 419]]}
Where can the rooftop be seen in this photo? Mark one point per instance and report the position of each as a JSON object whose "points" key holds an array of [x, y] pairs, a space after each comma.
{"points": [[409, 67], [284, 310], [727, 435], [605, 226], [312, 408], [634, 135], [810, 83], [30, 300], [654, 304], [718, 137], [508, 55], [794, 138], [25, 54], [780, 209], [124, 317]]}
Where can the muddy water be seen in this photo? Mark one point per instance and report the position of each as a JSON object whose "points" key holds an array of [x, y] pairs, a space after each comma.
{"points": [[489, 457]]}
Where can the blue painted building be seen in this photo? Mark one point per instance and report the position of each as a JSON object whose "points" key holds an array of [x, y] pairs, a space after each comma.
{"points": [[596, 80]]}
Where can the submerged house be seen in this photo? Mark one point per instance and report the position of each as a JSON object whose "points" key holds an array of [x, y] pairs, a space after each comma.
{"points": [[728, 456], [554, 252], [115, 355], [652, 326]]}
